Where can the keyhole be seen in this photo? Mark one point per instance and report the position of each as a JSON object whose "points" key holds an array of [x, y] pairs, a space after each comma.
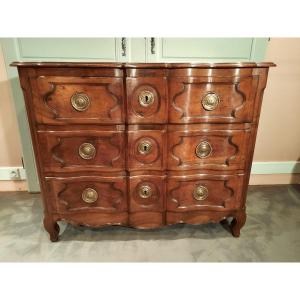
{"points": [[145, 148], [145, 192], [147, 99]]}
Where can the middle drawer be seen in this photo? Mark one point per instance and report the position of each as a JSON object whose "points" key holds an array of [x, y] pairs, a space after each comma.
{"points": [[76, 150], [208, 146]]}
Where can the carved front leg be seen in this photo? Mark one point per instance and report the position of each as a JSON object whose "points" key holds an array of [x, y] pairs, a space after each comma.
{"points": [[238, 222], [52, 227]]}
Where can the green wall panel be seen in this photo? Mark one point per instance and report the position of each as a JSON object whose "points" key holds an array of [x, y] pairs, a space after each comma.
{"points": [[68, 48], [206, 49]]}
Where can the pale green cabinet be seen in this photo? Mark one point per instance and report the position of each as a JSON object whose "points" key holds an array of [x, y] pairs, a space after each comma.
{"points": [[205, 49], [116, 50]]}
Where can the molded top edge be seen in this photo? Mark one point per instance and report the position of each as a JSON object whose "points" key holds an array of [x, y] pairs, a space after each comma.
{"points": [[143, 65]]}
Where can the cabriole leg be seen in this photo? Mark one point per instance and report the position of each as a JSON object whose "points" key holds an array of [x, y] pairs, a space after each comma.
{"points": [[238, 222], [52, 227]]}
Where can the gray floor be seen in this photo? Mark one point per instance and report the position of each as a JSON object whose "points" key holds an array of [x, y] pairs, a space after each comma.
{"points": [[271, 233]]}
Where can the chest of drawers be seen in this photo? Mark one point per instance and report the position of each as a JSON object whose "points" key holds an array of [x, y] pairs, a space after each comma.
{"points": [[143, 145]]}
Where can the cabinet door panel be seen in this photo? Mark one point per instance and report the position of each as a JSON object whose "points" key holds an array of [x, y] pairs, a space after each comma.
{"points": [[205, 49]]}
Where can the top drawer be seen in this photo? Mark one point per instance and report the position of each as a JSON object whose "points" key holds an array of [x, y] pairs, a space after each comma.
{"points": [[216, 96], [78, 100]]}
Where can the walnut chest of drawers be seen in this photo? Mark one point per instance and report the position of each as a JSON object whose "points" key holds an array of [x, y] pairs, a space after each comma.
{"points": [[143, 145]]}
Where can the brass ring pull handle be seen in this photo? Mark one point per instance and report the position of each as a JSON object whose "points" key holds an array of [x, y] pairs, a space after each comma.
{"points": [[89, 195], [144, 147], [210, 101], [80, 101], [203, 149], [145, 191], [200, 193], [146, 98], [87, 151]]}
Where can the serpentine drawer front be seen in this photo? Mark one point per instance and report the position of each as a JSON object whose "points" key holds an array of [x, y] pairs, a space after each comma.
{"points": [[143, 145]]}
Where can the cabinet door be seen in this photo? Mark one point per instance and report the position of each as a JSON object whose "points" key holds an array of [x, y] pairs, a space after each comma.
{"points": [[205, 49]]}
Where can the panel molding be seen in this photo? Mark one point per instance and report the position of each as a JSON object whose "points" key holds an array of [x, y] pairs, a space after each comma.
{"points": [[276, 167]]}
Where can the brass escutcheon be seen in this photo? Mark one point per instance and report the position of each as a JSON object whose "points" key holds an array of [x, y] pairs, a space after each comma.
{"points": [[87, 151], [210, 101], [89, 195], [145, 191], [144, 147], [203, 149], [200, 193], [80, 101], [146, 98]]}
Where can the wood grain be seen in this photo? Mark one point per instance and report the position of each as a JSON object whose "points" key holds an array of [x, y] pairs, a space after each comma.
{"points": [[115, 124]]}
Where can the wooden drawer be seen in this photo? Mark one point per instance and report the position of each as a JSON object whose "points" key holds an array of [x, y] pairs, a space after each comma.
{"points": [[87, 194], [147, 193], [208, 146], [147, 100], [146, 148], [75, 150], [204, 192], [216, 96], [78, 100]]}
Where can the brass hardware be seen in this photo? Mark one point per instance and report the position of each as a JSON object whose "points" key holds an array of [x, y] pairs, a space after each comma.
{"points": [[89, 195], [203, 149], [145, 191], [80, 101], [123, 45], [145, 147], [200, 193], [87, 151], [210, 101], [152, 41], [146, 98]]}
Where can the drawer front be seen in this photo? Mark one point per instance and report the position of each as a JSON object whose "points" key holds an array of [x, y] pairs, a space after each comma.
{"points": [[147, 193], [146, 149], [147, 100], [85, 150], [196, 192], [88, 194], [212, 99], [207, 147], [78, 100]]}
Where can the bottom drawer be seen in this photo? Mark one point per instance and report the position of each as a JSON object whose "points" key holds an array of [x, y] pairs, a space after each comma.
{"points": [[204, 192], [87, 194]]}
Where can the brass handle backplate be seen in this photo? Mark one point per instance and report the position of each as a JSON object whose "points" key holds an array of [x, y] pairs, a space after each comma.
{"points": [[89, 195], [200, 193], [80, 101], [146, 98], [145, 191], [87, 151], [210, 101], [203, 149], [144, 147]]}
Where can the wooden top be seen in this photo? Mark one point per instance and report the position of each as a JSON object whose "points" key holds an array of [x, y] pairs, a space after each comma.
{"points": [[143, 65]]}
